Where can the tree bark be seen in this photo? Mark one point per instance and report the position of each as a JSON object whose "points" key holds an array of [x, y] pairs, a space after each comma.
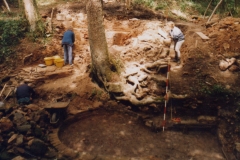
{"points": [[214, 11], [31, 12], [101, 66], [6, 4]]}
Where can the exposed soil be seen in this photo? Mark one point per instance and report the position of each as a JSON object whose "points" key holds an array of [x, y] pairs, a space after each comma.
{"points": [[120, 135], [114, 135]]}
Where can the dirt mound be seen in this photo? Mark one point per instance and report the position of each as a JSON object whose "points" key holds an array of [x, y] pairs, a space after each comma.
{"points": [[224, 36]]}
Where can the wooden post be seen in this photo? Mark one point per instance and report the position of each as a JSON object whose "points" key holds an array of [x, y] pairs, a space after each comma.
{"points": [[50, 23], [196, 44]]}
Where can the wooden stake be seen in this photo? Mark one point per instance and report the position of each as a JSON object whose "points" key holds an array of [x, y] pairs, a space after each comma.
{"points": [[50, 23]]}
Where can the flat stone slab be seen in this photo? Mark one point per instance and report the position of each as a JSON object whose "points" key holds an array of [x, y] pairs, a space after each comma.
{"points": [[57, 105]]}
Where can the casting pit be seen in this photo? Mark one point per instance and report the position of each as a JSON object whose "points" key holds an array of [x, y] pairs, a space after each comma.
{"points": [[108, 134]]}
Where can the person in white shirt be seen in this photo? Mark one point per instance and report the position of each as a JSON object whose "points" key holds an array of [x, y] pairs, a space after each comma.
{"points": [[178, 38]]}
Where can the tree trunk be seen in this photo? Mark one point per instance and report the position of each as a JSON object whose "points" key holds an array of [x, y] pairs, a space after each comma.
{"points": [[101, 66], [6, 4], [214, 11], [31, 12]]}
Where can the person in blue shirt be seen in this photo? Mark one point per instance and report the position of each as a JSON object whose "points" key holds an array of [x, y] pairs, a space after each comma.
{"points": [[24, 93], [178, 38], [67, 43]]}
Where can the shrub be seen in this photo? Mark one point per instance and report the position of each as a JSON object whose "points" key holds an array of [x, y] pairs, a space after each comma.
{"points": [[11, 31]]}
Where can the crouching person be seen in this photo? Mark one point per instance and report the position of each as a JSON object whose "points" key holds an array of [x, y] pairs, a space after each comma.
{"points": [[24, 93]]}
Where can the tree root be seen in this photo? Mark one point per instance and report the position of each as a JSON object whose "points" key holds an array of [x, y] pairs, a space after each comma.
{"points": [[137, 89]]}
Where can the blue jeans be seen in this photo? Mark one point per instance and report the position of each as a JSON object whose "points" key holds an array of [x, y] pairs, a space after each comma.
{"points": [[25, 100], [67, 54]]}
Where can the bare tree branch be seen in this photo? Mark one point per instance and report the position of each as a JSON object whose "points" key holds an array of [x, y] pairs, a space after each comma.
{"points": [[6, 4], [207, 9], [214, 11]]}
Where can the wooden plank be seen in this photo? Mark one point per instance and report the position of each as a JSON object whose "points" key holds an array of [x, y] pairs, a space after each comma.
{"points": [[203, 36]]}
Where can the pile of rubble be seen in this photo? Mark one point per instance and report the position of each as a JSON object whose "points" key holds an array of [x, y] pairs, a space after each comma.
{"points": [[25, 133]]}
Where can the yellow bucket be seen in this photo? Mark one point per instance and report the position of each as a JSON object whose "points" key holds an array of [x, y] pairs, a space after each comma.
{"points": [[59, 62], [56, 58], [48, 61]]}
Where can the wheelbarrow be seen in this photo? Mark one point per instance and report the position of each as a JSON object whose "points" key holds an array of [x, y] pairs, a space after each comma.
{"points": [[57, 111]]}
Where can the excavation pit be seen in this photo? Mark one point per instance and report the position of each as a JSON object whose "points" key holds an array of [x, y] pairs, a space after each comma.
{"points": [[109, 134]]}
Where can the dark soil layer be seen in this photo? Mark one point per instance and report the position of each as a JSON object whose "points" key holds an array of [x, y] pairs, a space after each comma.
{"points": [[113, 134]]}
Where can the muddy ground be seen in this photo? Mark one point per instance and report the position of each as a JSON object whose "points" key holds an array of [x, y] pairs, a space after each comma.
{"points": [[211, 91]]}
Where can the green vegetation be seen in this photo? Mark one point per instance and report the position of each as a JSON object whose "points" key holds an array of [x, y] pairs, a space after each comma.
{"points": [[228, 7], [38, 33], [219, 90], [163, 5], [13, 27], [147, 3], [216, 90], [11, 31]]}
